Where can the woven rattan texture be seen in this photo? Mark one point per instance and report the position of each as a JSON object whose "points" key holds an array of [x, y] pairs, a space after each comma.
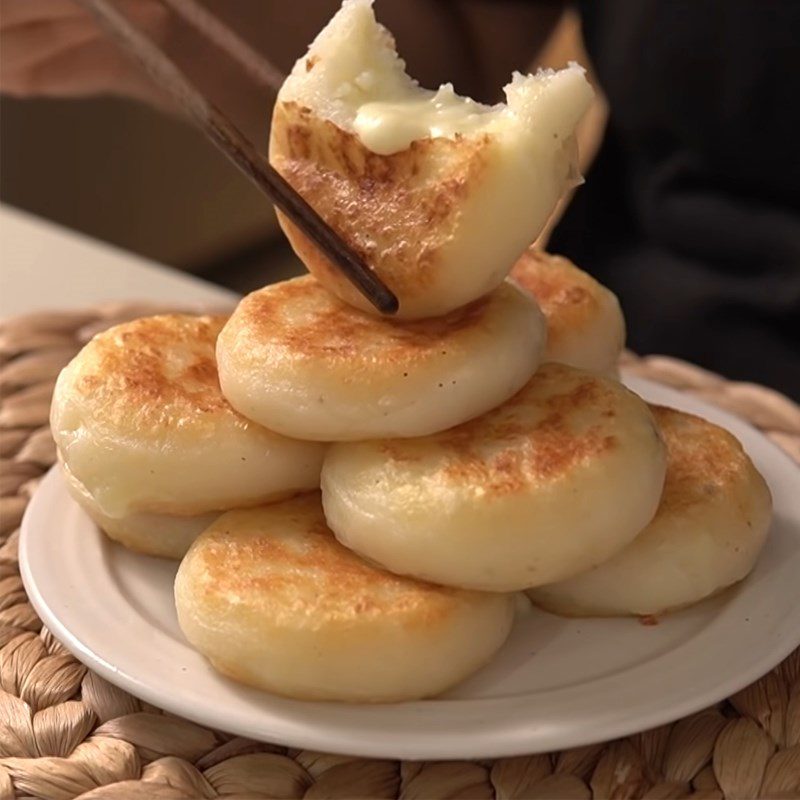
{"points": [[66, 733]]}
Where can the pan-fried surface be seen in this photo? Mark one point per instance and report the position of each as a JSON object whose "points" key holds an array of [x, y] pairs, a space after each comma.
{"points": [[585, 326], [303, 363], [710, 527], [274, 601], [443, 219], [139, 419], [551, 483]]}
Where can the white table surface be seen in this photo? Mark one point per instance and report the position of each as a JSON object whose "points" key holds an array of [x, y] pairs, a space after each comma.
{"points": [[44, 266]]}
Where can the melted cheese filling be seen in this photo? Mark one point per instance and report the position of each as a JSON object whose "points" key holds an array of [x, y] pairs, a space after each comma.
{"points": [[389, 126]]}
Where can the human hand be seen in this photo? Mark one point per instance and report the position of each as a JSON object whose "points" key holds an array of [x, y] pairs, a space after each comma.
{"points": [[53, 48]]}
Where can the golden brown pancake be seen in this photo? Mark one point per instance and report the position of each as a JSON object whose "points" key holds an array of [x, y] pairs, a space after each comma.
{"points": [[301, 362], [552, 482], [710, 527], [273, 600], [585, 326], [442, 219], [139, 419]]}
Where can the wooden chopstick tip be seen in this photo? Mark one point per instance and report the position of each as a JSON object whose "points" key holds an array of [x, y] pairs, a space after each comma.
{"points": [[230, 140], [387, 303]]}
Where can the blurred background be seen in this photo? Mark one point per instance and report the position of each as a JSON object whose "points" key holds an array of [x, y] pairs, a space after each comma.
{"points": [[127, 173], [690, 212]]}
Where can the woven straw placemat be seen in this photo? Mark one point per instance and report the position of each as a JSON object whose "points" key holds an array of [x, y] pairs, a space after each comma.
{"points": [[64, 732]]}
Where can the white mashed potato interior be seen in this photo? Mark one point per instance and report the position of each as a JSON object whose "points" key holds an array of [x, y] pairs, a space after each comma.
{"points": [[440, 194], [353, 76]]}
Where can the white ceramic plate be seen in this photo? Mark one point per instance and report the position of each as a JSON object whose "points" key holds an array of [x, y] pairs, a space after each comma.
{"points": [[557, 683]]}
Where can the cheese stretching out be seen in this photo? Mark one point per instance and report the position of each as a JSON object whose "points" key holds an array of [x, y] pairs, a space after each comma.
{"points": [[439, 193], [388, 126]]}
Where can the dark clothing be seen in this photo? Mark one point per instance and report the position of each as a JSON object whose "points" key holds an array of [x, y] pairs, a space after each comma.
{"points": [[691, 212]]}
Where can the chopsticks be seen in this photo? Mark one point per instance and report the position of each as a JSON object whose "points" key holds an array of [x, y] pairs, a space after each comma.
{"points": [[229, 139]]}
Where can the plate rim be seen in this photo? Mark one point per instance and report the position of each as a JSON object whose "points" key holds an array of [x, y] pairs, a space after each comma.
{"points": [[512, 742]]}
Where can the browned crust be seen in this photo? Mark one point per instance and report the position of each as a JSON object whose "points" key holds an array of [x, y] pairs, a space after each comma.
{"points": [[525, 453], [339, 333], [567, 295], [543, 451], [704, 463], [344, 586], [155, 371], [397, 211]]}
